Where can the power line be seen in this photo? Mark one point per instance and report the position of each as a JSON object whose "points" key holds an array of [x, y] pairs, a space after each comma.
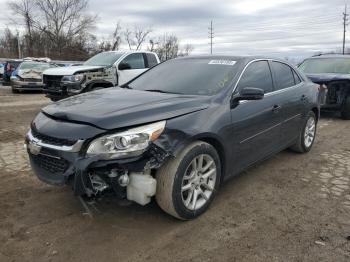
{"points": [[345, 19], [211, 36]]}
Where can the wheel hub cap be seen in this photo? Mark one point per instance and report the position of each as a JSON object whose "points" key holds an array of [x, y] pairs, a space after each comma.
{"points": [[198, 182]]}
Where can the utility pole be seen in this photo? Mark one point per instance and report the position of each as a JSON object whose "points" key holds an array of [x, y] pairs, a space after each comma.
{"points": [[19, 45], [345, 24], [211, 36]]}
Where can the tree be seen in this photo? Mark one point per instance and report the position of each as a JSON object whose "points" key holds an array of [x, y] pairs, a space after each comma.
{"points": [[55, 26], [117, 37], [25, 8], [137, 37]]}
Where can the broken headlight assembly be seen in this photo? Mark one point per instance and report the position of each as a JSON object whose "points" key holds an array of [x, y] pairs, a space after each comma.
{"points": [[73, 78], [130, 143]]}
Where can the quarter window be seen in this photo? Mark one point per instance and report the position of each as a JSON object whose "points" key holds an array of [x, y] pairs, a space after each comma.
{"points": [[152, 60], [135, 61], [283, 75], [257, 75]]}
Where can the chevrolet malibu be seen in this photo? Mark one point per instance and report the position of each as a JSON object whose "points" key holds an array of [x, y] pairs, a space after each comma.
{"points": [[176, 132]]}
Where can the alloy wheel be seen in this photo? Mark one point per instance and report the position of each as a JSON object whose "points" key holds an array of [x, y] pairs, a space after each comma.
{"points": [[198, 182]]}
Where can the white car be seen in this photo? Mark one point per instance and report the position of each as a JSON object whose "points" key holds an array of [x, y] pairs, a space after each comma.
{"points": [[106, 69]]}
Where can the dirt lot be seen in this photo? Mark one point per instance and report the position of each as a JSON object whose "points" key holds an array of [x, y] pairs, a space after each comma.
{"points": [[289, 208]]}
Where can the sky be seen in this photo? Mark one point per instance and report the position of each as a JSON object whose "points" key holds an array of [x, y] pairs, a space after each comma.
{"points": [[281, 28]]}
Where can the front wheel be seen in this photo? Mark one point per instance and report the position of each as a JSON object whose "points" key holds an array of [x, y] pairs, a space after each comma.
{"points": [[307, 134], [14, 90], [345, 111], [187, 184]]}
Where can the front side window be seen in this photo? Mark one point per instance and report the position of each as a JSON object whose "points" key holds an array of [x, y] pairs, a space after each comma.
{"points": [[134, 61], [257, 75], [190, 76], [283, 75]]}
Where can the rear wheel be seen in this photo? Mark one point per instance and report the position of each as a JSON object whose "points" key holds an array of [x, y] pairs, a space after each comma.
{"points": [[345, 111], [187, 184], [307, 134]]}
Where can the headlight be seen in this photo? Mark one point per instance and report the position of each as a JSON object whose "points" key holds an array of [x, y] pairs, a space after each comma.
{"points": [[14, 78], [73, 78], [132, 142]]}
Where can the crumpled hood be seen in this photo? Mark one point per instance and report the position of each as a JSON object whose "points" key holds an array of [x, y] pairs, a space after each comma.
{"points": [[70, 70], [30, 73], [326, 78], [114, 107]]}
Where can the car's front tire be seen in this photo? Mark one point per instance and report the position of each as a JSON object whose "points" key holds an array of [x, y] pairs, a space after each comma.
{"points": [[14, 90], [345, 111], [307, 134], [187, 184]]}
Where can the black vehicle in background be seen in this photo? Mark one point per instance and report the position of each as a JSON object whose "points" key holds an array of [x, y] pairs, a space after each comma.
{"points": [[332, 72], [175, 132], [9, 67]]}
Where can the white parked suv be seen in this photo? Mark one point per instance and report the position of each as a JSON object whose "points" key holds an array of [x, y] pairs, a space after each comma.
{"points": [[106, 69]]}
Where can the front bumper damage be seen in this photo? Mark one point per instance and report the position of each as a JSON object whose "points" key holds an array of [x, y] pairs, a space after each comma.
{"points": [[62, 90], [130, 178]]}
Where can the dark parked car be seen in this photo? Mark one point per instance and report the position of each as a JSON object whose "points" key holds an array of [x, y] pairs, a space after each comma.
{"points": [[332, 72], [175, 132]]}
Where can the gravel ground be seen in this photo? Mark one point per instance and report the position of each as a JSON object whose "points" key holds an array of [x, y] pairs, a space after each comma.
{"points": [[291, 207]]}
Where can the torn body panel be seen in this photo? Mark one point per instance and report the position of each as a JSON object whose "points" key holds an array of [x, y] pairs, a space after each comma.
{"points": [[335, 88]]}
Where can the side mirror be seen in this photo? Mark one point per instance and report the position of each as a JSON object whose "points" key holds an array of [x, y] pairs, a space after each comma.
{"points": [[251, 93], [124, 66], [247, 93]]}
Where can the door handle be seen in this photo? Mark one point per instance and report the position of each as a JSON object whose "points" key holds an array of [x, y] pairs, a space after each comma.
{"points": [[276, 108]]}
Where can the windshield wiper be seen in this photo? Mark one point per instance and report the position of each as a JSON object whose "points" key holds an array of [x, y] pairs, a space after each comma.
{"points": [[126, 86], [162, 91]]}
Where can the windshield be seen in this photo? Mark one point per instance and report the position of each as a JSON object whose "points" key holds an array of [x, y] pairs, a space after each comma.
{"points": [[197, 76], [326, 65], [104, 59]]}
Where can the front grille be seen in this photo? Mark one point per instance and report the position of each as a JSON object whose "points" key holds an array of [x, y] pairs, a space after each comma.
{"points": [[52, 82], [52, 140], [51, 164]]}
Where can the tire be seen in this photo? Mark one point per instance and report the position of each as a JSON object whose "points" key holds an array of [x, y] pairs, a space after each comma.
{"points": [[303, 145], [345, 111], [178, 173], [14, 90], [54, 99]]}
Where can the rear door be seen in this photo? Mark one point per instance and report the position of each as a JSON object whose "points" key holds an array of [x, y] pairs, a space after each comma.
{"points": [[136, 65], [255, 124], [289, 91]]}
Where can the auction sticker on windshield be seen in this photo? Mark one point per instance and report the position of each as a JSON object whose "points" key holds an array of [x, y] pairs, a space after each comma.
{"points": [[222, 62]]}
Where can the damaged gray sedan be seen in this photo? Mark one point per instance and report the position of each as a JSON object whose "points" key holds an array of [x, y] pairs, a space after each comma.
{"points": [[176, 132]]}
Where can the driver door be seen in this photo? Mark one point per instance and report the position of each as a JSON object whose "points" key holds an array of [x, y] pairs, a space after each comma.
{"points": [[256, 123], [130, 67]]}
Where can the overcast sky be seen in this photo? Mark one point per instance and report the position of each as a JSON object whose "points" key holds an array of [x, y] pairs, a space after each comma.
{"points": [[265, 27]]}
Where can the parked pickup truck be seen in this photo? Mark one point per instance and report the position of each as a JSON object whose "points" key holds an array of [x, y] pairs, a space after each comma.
{"points": [[106, 69]]}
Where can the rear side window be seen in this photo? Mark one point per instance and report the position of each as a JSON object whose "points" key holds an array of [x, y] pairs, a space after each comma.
{"points": [[296, 77], [135, 61], [151, 59], [257, 75], [283, 75]]}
